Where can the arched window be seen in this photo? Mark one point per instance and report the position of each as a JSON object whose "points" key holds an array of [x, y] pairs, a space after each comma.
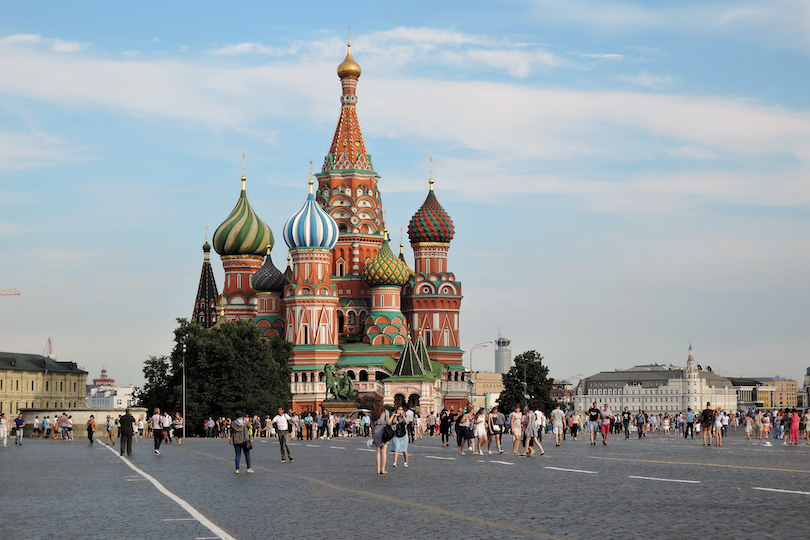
{"points": [[296, 377], [351, 375], [352, 318], [340, 323], [363, 375], [303, 377], [320, 376]]}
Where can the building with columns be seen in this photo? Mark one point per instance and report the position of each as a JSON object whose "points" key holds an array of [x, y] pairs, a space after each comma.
{"points": [[657, 389], [345, 300]]}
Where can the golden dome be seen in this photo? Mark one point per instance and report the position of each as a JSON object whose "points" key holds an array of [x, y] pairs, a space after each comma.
{"points": [[349, 69]]}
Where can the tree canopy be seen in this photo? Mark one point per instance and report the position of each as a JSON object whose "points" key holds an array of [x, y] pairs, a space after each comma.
{"points": [[229, 367], [538, 385]]}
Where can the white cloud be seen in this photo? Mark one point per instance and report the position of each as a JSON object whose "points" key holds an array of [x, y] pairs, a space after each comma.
{"points": [[651, 81], [255, 48], [9, 229], [34, 39], [21, 150], [602, 56]]}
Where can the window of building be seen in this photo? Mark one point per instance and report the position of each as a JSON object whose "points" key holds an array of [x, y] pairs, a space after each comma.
{"points": [[47, 386]]}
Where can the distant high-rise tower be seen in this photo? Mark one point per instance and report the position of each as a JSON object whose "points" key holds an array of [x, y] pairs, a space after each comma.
{"points": [[503, 354]]}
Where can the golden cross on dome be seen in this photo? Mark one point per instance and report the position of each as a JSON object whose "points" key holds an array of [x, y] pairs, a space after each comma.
{"points": [[350, 35], [243, 171], [310, 177], [431, 174]]}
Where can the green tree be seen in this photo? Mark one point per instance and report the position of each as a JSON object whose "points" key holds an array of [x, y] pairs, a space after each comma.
{"points": [[537, 384], [227, 368]]}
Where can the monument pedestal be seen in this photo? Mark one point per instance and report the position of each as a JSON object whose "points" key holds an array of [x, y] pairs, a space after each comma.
{"points": [[343, 407]]}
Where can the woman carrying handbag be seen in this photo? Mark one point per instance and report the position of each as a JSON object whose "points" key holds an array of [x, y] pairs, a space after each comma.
{"points": [[240, 439]]}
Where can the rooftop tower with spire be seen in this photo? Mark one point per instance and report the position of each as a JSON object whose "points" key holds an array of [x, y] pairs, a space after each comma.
{"points": [[347, 190], [205, 306]]}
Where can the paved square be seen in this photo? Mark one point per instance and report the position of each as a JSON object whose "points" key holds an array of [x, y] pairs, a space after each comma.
{"points": [[655, 487]]}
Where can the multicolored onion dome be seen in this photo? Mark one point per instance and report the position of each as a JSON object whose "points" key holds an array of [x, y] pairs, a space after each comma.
{"points": [[311, 227], [268, 278], [386, 269], [243, 233], [431, 223], [349, 69]]}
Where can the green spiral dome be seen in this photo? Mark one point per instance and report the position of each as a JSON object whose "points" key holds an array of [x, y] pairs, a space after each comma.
{"points": [[242, 232]]}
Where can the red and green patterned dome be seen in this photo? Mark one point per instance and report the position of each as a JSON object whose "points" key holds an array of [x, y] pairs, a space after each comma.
{"points": [[386, 269], [268, 278], [431, 223]]}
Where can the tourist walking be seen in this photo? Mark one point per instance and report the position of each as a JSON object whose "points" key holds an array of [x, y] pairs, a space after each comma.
{"points": [[706, 423], [575, 424], [593, 422], [533, 428], [240, 439], [19, 425], [495, 421], [399, 443], [607, 417], [177, 426], [4, 429], [466, 435], [109, 427], [157, 430], [557, 425], [718, 427], [91, 428], [379, 419], [444, 427], [282, 423], [127, 431], [480, 429], [516, 427]]}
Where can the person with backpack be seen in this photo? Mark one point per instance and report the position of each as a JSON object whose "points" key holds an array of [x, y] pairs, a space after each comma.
{"points": [[706, 423], [400, 423]]}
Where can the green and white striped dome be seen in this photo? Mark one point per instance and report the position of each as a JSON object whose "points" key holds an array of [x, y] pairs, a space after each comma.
{"points": [[242, 232]]}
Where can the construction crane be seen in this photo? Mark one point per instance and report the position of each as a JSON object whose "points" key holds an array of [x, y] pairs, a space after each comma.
{"points": [[9, 292]]}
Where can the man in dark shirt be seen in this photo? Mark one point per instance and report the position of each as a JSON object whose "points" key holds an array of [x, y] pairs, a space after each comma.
{"points": [[627, 416], [126, 430], [706, 423], [594, 416]]}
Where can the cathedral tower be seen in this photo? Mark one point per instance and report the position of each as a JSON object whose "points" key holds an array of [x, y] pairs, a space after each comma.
{"points": [[205, 306], [347, 190], [431, 300], [241, 241]]}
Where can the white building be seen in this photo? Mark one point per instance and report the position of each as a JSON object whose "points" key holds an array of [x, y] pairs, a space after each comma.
{"points": [[657, 389], [503, 354], [110, 397]]}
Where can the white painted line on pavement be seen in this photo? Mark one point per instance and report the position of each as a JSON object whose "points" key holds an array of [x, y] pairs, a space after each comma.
{"points": [[314, 445], [366, 450], [338, 447], [437, 457], [571, 470], [665, 479], [782, 490], [502, 462], [204, 521], [135, 479]]}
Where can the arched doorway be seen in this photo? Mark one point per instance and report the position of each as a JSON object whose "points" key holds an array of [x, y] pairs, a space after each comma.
{"points": [[413, 402], [399, 400]]}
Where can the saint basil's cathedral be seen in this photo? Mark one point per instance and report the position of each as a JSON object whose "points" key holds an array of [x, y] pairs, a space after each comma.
{"points": [[345, 300]]}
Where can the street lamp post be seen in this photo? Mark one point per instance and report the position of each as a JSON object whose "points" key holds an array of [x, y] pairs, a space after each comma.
{"points": [[184, 390], [477, 345]]}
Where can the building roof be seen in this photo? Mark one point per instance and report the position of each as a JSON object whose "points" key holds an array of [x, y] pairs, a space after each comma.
{"points": [[647, 374], [385, 269], [243, 232], [431, 223], [36, 362], [774, 379]]}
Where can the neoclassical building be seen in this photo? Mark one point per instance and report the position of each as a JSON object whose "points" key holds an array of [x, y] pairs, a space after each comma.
{"points": [[33, 381], [345, 299], [657, 389]]}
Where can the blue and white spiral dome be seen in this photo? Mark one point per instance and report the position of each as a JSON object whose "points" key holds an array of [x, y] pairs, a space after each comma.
{"points": [[311, 227]]}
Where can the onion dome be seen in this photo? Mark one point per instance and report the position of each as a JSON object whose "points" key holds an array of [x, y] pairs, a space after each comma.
{"points": [[311, 226], [349, 69], [206, 246], [386, 268], [268, 278], [431, 223], [243, 233]]}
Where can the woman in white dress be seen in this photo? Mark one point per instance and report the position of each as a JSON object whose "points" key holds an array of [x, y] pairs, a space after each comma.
{"points": [[665, 424], [480, 429]]}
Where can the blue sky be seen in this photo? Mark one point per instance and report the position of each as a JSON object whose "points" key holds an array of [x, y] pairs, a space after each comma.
{"points": [[625, 177]]}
